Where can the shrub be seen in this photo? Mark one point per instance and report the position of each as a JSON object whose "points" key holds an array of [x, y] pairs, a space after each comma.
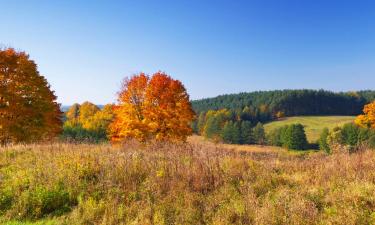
{"points": [[352, 138]]}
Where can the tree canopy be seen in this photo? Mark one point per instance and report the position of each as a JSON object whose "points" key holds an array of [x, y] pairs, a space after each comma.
{"points": [[87, 122], [155, 107], [28, 108], [368, 118]]}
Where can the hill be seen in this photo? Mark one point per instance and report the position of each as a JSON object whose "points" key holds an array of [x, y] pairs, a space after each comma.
{"points": [[314, 125], [290, 102]]}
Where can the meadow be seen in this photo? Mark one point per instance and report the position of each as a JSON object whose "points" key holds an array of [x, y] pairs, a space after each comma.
{"points": [[194, 183], [313, 125]]}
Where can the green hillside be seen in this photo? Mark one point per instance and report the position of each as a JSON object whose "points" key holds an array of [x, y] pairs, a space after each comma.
{"points": [[313, 124]]}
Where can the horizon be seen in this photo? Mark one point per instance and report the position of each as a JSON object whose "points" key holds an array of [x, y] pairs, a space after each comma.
{"points": [[85, 49]]}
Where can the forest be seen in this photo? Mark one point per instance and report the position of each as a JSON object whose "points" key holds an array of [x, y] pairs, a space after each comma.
{"points": [[267, 105]]}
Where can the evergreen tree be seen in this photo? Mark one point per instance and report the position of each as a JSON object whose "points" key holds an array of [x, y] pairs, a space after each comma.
{"points": [[295, 137], [231, 133], [259, 134], [246, 133]]}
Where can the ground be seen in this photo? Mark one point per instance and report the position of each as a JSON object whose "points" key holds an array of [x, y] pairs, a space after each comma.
{"points": [[195, 183], [314, 125]]}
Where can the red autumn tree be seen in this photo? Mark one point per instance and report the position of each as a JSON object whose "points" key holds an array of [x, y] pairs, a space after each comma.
{"points": [[28, 108], [152, 108]]}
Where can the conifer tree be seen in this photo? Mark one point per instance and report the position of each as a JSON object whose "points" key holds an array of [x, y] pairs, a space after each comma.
{"points": [[246, 133], [259, 134]]}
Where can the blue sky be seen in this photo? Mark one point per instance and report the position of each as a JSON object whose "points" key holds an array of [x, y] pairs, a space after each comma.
{"points": [[85, 48]]}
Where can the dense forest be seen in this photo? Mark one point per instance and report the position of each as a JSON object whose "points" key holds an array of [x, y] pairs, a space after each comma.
{"points": [[238, 118], [290, 102]]}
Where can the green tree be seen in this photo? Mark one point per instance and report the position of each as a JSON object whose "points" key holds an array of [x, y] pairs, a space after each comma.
{"points": [[259, 134], [323, 141], [201, 122], [295, 137], [277, 137], [246, 133], [231, 133], [349, 134], [212, 127]]}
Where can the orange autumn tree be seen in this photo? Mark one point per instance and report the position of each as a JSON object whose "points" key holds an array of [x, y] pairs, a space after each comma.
{"points": [[28, 108], [368, 118], [152, 108]]}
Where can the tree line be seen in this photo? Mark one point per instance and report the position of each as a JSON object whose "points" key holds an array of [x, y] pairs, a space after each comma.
{"points": [[268, 105]]}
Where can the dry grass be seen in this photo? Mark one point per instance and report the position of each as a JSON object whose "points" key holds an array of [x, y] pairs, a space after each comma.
{"points": [[196, 183]]}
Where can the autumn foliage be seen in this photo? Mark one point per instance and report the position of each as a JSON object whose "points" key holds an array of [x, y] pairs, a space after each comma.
{"points": [[28, 108], [156, 107], [87, 122], [368, 118]]}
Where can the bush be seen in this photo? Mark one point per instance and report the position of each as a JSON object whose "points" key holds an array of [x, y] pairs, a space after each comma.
{"points": [[323, 141], [351, 138]]}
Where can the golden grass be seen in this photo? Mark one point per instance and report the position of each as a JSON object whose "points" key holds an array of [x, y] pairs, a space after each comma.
{"points": [[195, 183]]}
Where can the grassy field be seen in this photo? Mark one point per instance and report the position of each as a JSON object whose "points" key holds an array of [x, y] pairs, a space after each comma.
{"points": [[194, 183], [313, 124]]}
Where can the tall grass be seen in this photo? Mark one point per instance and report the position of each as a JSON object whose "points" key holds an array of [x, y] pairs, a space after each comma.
{"points": [[183, 184]]}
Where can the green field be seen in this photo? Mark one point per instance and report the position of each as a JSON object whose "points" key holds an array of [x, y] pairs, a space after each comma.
{"points": [[313, 124]]}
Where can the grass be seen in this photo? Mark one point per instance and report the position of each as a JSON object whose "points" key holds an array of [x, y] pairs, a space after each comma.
{"points": [[314, 125], [194, 183]]}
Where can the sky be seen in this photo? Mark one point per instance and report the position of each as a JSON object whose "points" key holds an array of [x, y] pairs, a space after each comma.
{"points": [[86, 48]]}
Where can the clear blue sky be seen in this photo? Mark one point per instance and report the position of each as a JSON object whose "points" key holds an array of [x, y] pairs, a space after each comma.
{"points": [[85, 48]]}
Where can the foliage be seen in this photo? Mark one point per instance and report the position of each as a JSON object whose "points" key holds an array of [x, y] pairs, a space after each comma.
{"points": [[323, 141], [87, 123], [152, 108], [368, 118], [267, 105], [291, 136], [351, 138], [28, 108], [295, 137], [259, 134], [182, 184], [247, 136], [231, 133]]}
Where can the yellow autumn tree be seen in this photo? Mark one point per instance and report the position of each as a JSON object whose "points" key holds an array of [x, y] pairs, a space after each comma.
{"points": [[87, 122], [152, 108], [28, 108], [368, 118]]}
